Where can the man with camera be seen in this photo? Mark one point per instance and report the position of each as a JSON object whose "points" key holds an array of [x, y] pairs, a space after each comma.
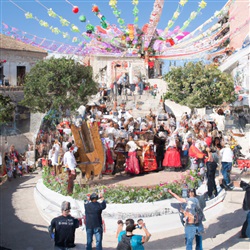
{"points": [[93, 213], [193, 217]]}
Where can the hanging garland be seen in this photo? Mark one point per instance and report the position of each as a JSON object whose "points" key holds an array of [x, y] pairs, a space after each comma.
{"points": [[108, 39], [193, 15], [117, 13], [216, 15], [102, 18], [43, 43], [135, 11], [174, 17], [29, 15]]}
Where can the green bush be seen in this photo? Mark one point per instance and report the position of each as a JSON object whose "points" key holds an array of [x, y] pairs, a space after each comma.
{"points": [[121, 194]]}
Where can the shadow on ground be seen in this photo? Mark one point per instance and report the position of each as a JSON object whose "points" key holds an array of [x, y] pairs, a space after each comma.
{"points": [[16, 234]]}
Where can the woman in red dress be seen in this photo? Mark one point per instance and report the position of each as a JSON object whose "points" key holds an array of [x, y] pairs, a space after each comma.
{"points": [[172, 157], [132, 162], [149, 158]]}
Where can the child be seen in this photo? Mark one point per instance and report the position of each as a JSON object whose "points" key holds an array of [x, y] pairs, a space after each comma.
{"points": [[119, 228], [140, 223], [20, 169]]}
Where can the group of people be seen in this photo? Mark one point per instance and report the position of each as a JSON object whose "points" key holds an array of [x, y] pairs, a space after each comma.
{"points": [[15, 164], [145, 144], [133, 236], [62, 228]]}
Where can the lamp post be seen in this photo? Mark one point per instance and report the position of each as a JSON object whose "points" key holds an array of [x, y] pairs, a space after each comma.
{"points": [[115, 83]]}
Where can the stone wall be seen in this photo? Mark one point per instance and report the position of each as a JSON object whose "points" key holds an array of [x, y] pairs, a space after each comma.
{"points": [[35, 123]]}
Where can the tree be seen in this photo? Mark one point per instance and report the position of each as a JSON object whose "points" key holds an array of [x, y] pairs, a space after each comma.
{"points": [[58, 84], [197, 85], [7, 109]]}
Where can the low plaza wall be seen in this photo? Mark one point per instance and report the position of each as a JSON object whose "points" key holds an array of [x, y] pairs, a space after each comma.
{"points": [[156, 214]]}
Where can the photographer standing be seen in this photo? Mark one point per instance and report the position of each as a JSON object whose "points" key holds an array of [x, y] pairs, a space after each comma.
{"points": [[193, 216], [93, 213]]}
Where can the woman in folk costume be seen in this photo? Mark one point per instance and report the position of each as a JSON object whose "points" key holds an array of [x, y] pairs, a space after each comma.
{"points": [[119, 150], [172, 157], [150, 163], [108, 145], [195, 154], [132, 163]]}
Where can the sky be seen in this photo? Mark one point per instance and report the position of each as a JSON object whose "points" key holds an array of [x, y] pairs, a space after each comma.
{"points": [[12, 14]]}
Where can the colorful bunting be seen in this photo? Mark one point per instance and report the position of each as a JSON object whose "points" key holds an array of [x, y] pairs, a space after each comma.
{"points": [[117, 13], [135, 11], [174, 17]]}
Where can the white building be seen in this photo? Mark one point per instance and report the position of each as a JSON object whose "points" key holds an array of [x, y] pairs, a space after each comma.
{"points": [[16, 59]]}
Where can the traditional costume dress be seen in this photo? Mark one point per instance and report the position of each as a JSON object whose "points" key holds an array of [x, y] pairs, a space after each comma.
{"points": [[120, 157], [132, 163], [150, 163], [172, 157]]}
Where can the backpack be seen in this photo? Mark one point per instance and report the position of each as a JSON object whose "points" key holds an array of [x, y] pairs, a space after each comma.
{"points": [[124, 244]]}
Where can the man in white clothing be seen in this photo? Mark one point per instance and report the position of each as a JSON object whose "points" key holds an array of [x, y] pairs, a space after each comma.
{"points": [[70, 163], [227, 155]]}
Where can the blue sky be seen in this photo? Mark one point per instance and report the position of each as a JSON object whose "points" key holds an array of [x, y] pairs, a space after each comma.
{"points": [[13, 16]]}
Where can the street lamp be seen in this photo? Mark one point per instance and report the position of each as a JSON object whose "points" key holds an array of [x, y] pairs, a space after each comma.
{"points": [[115, 83]]}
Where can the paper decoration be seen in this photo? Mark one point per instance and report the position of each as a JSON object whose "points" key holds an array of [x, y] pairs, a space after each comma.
{"points": [[82, 18], [153, 21], [174, 17], [75, 9], [135, 11], [117, 13], [193, 14], [102, 18], [130, 40]]}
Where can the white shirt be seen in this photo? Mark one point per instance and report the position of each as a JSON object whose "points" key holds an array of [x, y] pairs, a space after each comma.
{"points": [[226, 154], [69, 160], [132, 146], [53, 156]]}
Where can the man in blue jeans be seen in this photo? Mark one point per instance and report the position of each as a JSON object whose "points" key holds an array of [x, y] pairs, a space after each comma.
{"points": [[93, 213], [193, 225], [226, 154]]}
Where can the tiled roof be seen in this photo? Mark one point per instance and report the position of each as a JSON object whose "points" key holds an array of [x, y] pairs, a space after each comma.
{"points": [[10, 43]]}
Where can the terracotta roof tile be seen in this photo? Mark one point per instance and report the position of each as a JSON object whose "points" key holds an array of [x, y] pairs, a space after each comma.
{"points": [[10, 43]]}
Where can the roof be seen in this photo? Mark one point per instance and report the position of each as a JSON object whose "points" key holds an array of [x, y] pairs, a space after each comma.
{"points": [[10, 43]]}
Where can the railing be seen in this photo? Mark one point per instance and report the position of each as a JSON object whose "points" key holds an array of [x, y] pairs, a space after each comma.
{"points": [[11, 88]]}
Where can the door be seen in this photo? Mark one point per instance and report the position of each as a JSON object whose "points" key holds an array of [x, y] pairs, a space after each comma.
{"points": [[21, 70]]}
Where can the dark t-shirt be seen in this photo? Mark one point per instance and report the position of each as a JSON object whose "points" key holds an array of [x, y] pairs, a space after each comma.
{"points": [[93, 212], [64, 230]]}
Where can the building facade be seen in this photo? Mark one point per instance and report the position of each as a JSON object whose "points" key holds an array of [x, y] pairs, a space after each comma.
{"points": [[16, 59]]}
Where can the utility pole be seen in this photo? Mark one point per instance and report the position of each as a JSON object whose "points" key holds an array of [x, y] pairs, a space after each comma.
{"points": [[115, 83]]}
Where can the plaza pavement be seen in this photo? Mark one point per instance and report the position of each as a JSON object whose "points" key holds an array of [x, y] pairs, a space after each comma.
{"points": [[23, 226]]}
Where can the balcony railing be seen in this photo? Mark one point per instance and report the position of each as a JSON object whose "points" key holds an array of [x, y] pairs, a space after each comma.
{"points": [[11, 88]]}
